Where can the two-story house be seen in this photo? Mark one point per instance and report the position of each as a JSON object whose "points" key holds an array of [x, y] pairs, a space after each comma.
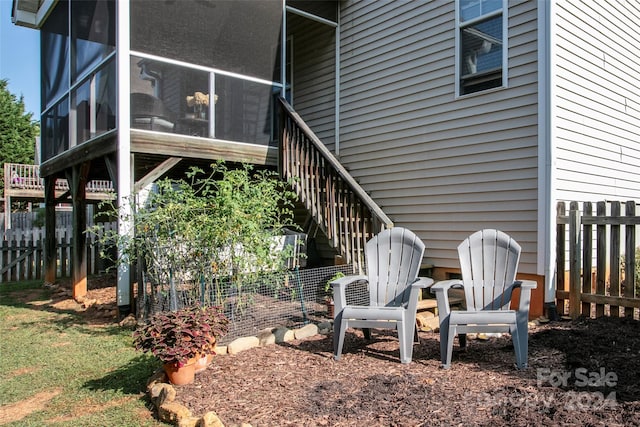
{"points": [[450, 115]]}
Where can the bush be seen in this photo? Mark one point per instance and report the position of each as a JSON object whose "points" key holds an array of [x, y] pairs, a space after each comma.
{"points": [[211, 230], [176, 337]]}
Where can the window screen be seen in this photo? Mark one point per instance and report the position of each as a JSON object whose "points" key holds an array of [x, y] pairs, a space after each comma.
{"points": [[237, 36], [92, 32], [54, 46]]}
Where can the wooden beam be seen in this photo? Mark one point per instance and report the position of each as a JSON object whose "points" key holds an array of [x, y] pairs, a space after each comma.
{"points": [[7, 211], [156, 173], [76, 156], [50, 253], [174, 145], [574, 261], [78, 183], [7, 197], [111, 162], [603, 299]]}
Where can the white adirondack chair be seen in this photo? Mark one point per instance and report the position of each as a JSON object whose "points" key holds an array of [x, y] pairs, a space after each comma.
{"points": [[489, 262], [393, 259]]}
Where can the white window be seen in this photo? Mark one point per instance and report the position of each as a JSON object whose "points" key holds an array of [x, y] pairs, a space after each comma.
{"points": [[481, 45]]}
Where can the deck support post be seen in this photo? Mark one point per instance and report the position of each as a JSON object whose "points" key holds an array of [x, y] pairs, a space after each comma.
{"points": [[50, 255], [78, 183]]}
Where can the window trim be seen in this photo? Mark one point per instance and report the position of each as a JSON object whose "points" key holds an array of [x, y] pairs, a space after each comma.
{"points": [[459, 26]]}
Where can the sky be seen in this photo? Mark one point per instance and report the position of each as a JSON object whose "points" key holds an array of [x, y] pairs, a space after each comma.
{"points": [[20, 59]]}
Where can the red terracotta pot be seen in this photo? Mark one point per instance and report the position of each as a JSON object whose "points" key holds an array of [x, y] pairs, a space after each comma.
{"points": [[330, 309], [203, 362], [180, 375]]}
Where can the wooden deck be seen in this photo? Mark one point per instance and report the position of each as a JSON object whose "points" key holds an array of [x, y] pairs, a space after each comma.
{"points": [[23, 183]]}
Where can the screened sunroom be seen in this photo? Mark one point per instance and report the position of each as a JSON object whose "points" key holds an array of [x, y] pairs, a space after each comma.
{"points": [[136, 90]]}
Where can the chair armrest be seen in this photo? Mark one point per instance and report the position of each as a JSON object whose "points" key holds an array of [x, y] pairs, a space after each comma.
{"points": [[445, 285], [340, 289], [441, 289], [422, 282], [415, 290], [345, 281], [525, 296]]}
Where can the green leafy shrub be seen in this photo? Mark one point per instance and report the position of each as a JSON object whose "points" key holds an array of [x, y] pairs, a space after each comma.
{"points": [[211, 230]]}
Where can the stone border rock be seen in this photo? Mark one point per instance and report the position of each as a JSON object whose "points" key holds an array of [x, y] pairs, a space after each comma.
{"points": [[163, 395]]}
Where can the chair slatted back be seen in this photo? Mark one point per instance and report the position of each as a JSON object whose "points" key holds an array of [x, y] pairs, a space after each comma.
{"points": [[489, 261], [393, 263]]}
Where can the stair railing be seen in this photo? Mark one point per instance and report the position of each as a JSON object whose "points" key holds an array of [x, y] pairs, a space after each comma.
{"points": [[341, 208]]}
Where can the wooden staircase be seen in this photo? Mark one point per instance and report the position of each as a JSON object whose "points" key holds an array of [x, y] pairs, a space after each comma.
{"points": [[336, 203]]}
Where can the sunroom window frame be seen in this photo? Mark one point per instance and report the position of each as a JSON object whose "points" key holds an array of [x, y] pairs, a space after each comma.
{"points": [[460, 25]]}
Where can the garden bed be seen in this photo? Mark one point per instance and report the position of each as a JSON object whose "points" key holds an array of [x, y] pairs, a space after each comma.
{"points": [[298, 383]]}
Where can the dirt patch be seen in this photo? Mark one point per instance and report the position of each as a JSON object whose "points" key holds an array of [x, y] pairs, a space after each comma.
{"points": [[97, 308], [17, 411], [22, 371], [88, 408]]}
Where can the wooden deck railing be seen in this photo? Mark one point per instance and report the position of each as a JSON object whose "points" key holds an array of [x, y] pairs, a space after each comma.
{"points": [[337, 203], [27, 177], [23, 182], [612, 283]]}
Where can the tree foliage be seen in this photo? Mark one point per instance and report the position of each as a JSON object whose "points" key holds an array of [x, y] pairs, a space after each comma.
{"points": [[18, 130], [221, 229]]}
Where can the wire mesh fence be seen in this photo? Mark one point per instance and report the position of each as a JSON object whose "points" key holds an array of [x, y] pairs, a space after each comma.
{"points": [[291, 299]]}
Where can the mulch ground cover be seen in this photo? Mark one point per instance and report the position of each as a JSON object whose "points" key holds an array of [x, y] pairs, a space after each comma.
{"points": [[583, 372]]}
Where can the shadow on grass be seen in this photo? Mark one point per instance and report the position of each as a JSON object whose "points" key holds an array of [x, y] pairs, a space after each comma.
{"points": [[33, 295], [129, 379]]}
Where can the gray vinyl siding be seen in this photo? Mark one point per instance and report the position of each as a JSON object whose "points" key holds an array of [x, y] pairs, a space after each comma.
{"points": [[314, 75], [597, 100], [441, 166]]}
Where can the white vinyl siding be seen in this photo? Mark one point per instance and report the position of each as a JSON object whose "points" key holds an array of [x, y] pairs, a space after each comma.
{"points": [[441, 166], [597, 100]]}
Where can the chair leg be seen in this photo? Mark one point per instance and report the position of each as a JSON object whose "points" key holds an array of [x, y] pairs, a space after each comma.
{"points": [[405, 336], [449, 351], [339, 328], [402, 342], [522, 348], [367, 333], [444, 338], [462, 338]]}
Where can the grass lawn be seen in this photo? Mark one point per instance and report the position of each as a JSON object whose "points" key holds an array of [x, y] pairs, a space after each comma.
{"points": [[56, 369]]}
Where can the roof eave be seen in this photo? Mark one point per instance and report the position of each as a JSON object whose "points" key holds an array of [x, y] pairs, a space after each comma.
{"points": [[31, 13]]}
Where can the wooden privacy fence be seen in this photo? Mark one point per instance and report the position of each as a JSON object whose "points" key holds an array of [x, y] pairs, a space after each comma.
{"points": [[599, 276], [22, 253]]}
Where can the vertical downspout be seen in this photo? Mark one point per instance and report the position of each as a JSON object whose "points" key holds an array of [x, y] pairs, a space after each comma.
{"points": [[337, 90], [124, 295], [546, 156]]}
